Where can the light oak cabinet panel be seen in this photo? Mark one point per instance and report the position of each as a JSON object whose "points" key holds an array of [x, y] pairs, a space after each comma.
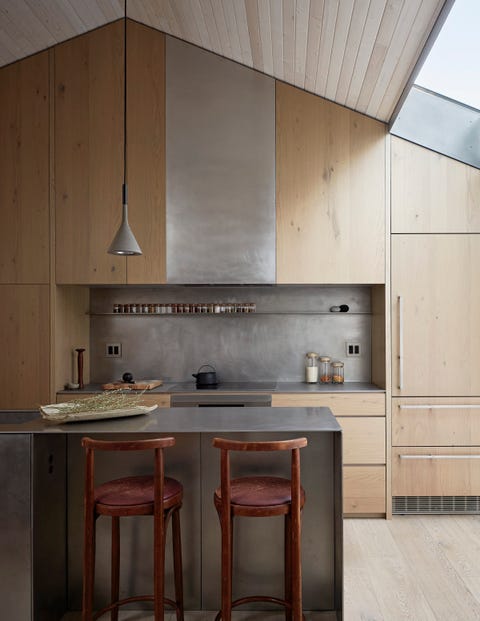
{"points": [[431, 421], [363, 440], [25, 339], [435, 333], [432, 193], [24, 171], [330, 192], [363, 489], [89, 156], [362, 417], [436, 471], [146, 152], [355, 404]]}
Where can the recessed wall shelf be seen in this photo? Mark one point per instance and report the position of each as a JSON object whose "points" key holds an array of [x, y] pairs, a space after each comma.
{"points": [[227, 314]]}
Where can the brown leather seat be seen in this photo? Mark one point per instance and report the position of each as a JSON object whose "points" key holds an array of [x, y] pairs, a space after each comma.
{"points": [[262, 496], [156, 495]]}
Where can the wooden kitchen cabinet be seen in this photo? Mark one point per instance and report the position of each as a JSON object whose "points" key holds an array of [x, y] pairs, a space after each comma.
{"points": [[330, 191], [24, 171], [363, 421], [146, 152], [436, 471], [431, 421], [89, 134], [25, 339], [432, 193], [89, 156], [435, 311]]}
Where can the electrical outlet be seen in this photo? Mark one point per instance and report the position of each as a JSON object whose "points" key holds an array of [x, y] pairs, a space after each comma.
{"points": [[113, 350], [353, 349]]}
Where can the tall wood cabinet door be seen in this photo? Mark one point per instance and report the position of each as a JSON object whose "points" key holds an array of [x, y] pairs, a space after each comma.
{"points": [[435, 315], [330, 191], [24, 174], [432, 193], [89, 156], [146, 151], [25, 339]]}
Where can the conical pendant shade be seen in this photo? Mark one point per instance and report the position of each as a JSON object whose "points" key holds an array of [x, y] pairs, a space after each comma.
{"points": [[124, 242]]}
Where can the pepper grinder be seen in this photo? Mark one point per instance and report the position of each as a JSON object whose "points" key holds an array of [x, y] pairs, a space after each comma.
{"points": [[80, 351]]}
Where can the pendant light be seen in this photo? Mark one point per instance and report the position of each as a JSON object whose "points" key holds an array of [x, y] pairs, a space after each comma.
{"points": [[124, 242]]}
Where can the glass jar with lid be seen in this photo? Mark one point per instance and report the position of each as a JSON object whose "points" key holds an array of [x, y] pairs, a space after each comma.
{"points": [[311, 368], [338, 372], [325, 370]]}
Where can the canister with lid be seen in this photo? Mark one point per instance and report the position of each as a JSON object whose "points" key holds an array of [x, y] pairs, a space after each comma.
{"points": [[325, 370], [338, 372], [311, 368]]}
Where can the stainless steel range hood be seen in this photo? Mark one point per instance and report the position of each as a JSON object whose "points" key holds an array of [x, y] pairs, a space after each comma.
{"points": [[220, 151]]}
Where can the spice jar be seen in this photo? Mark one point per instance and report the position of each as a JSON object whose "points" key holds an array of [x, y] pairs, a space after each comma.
{"points": [[338, 372], [325, 370], [311, 368]]}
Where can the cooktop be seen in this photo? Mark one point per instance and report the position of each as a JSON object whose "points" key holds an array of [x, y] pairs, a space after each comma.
{"points": [[227, 387]]}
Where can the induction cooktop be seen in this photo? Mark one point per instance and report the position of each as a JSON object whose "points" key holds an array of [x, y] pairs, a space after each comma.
{"points": [[227, 387]]}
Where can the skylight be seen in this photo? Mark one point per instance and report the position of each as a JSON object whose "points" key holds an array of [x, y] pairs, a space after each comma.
{"points": [[452, 67], [442, 108]]}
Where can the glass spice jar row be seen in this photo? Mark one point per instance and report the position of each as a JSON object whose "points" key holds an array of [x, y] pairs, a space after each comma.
{"points": [[321, 368], [185, 309]]}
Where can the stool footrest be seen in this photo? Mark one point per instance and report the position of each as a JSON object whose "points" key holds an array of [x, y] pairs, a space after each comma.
{"points": [[257, 598], [131, 600]]}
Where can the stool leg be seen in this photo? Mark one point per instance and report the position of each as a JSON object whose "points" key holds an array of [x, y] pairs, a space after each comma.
{"points": [[159, 565], [177, 563], [296, 567], [288, 566], [227, 564], [115, 591], [88, 567]]}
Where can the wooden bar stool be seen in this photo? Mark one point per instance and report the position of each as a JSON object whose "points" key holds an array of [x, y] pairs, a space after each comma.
{"points": [[262, 496], [155, 495]]}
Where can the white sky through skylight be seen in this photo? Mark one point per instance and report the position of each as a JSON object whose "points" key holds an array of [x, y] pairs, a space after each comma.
{"points": [[452, 67]]}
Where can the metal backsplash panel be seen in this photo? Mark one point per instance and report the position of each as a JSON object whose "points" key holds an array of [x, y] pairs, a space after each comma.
{"points": [[269, 345], [220, 150]]}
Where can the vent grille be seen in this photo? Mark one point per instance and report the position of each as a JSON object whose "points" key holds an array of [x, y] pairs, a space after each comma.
{"points": [[403, 505]]}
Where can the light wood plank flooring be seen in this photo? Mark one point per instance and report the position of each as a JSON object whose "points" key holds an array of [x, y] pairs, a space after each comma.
{"points": [[417, 568], [409, 568]]}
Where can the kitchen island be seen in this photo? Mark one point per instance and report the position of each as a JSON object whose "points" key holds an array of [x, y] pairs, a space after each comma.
{"points": [[42, 480]]}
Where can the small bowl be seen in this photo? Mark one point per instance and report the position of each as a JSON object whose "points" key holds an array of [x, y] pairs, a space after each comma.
{"points": [[72, 386]]}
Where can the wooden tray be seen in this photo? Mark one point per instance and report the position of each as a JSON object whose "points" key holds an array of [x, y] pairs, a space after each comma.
{"points": [[60, 413], [138, 385]]}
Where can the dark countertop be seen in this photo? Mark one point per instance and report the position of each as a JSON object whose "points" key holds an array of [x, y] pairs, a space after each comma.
{"points": [[238, 387], [185, 420]]}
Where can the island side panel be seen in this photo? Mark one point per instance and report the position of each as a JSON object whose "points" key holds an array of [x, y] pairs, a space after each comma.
{"points": [[15, 523], [181, 462], [258, 543]]}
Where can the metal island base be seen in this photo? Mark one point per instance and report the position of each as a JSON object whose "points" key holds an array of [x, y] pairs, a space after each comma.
{"points": [[41, 522]]}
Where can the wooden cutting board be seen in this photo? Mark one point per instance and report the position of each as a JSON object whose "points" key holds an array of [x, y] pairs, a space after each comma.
{"points": [[138, 385]]}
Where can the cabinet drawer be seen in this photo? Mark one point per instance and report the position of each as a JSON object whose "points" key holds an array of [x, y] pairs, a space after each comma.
{"points": [[363, 440], [353, 404], [160, 399], [436, 471], [363, 489], [436, 422]]}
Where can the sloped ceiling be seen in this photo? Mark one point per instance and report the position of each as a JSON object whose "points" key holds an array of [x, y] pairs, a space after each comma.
{"points": [[359, 53]]}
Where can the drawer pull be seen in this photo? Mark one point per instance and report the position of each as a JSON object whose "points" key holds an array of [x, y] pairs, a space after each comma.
{"points": [[439, 456], [442, 406], [400, 342]]}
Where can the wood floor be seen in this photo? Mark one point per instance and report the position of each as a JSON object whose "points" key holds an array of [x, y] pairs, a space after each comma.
{"points": [[409, 568], [417, 568]]}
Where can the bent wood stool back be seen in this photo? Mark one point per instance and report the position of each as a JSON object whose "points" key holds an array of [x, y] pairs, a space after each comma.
{"points": [[262, 496], [155, 495]]}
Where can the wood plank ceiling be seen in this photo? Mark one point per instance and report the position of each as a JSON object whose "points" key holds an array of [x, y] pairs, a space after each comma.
{"points": [[359, 53]]}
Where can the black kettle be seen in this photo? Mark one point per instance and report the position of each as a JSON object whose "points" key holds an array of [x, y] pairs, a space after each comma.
{"points": [[206, 378]]}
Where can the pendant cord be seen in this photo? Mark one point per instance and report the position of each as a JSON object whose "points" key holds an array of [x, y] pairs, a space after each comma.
{"points": [[125, 102]]}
